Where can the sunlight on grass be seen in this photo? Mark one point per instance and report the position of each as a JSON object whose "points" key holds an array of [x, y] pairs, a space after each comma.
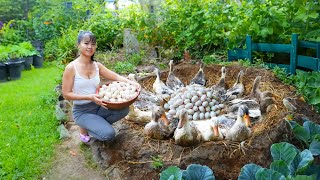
{"points": [[27, 123]]}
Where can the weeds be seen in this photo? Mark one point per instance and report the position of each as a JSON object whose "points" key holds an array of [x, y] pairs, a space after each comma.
{"points": [[157, 162]]}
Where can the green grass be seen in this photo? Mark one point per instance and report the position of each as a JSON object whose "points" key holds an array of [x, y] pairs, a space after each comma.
{"points": [[27, 124]]}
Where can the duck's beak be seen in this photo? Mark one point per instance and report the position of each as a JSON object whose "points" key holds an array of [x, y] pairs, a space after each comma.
{"points": [[165, 119], [215, 131], [246, 119]]}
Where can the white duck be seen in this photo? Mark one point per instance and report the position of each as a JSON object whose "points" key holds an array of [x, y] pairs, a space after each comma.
{"points": [[186, 134], [240, 131], [173, 82], [209, 129], [139, 116], [161, 90]]}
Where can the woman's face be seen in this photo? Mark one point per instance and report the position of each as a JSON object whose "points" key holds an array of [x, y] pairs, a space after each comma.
{"points": [[87, 47]]}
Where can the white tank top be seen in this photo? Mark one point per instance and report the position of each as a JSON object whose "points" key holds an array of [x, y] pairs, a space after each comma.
{"points": [[85, 86]]}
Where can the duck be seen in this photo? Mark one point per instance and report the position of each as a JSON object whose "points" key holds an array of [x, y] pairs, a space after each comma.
{"points": [[158, 127], [289, 104], [209, 129], [160, 88], [146, 99], [173, 82], [139, 116], [237, 89], [258, 111], [186, 133], [256, 93], [220, 87], [240, 130], [199, 78]]}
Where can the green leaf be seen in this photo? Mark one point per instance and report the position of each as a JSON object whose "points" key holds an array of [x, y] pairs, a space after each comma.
{"points": [[304, 177], [301, 133], [283, 151], [198, 172], [248, 172], [312, 128], [314, 15], [314, 100], [280, 166], [172, 172], [315, 147], [301, 162], [264, 174]]}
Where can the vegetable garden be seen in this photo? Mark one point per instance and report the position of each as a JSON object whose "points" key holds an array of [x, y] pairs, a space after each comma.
{"points": [[286, 146]]}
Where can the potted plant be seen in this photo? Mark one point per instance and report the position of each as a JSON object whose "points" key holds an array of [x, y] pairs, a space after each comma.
{"points": [[15, 62], [4, 55], [27, 51]]}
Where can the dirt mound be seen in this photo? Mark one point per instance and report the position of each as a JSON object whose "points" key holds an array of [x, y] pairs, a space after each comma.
{"points": [[129, 156]]}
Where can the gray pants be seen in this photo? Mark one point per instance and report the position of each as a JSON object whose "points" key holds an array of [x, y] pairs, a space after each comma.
{"points": [[98, 120]]}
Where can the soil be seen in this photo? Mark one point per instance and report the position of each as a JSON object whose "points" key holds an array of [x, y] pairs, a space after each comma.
{"points": [[129, 156]]}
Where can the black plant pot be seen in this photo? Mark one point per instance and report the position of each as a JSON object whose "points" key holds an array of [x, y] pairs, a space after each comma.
{"points": [[3, 72], [37, 61], [14, 60], [28, 62], [37, 44], [14, 69]]}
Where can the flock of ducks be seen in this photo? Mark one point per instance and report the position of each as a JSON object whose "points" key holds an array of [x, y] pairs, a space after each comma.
{"points": [[233, 125]]}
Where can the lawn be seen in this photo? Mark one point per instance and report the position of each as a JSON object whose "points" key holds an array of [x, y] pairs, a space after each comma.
{"points": [[27, 123]]}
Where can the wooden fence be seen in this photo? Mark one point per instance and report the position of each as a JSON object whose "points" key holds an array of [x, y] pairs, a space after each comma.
{"points": [[308, 62]]}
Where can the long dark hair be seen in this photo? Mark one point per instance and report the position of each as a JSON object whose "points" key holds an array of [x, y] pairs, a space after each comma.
{"points": [[92, 37]]}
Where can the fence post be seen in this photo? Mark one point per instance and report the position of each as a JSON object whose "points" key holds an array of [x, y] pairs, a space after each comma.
{"points": [[318, 50], [249, 47], [293, 53]]}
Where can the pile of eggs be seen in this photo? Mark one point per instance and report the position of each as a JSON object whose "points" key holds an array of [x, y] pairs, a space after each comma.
{"points": [[118, 92], [199, 101]]}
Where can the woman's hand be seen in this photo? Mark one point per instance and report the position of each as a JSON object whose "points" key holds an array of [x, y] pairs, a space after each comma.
{"points": [[96, 99]]}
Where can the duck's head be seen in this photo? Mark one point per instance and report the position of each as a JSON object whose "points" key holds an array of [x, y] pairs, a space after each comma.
{"points": [[158, 114], [223, 72], [183, 118], [289, 103], [243, 114], [156, 71], [132, 77]]}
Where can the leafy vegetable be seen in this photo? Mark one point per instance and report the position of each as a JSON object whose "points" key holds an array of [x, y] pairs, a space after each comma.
{"points": [[172, 172], [248, 172], [198, 172], [283, 151], [269, 174], [193, 172]]}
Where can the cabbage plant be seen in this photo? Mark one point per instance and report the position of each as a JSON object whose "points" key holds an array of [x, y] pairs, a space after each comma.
{"points": [[288, 163], [193, 172]]}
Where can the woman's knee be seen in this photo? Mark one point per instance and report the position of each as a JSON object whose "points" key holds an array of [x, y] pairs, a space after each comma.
{"points": [[107, 135]]}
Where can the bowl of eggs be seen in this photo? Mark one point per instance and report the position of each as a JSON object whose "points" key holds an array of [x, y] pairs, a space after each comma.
{"points": [[118, 95]]}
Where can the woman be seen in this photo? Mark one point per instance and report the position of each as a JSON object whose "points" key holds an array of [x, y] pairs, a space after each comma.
{"points": [[80, 80]]}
